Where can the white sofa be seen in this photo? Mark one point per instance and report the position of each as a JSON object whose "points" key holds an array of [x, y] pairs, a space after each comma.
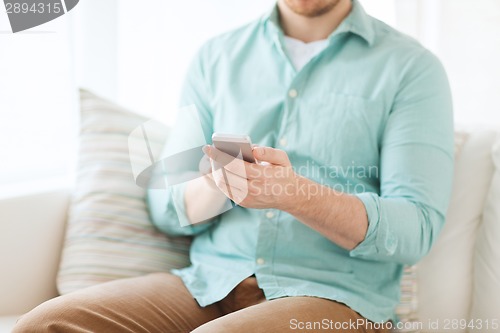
{"points": [[459, 279]]}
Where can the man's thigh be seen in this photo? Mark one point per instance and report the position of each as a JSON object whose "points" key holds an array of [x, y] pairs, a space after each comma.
{"points": [[290, 314], [153, 303]]}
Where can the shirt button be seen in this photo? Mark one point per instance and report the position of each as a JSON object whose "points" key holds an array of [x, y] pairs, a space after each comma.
{"points": [[293, 93], [283, 142], [269, 215], [260, 261]]}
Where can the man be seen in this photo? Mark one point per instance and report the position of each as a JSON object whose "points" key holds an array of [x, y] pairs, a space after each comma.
{"points": [[356, 186]]}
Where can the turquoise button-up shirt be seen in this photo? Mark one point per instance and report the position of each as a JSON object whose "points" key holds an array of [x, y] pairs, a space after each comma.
{"points": [[370, 115]]}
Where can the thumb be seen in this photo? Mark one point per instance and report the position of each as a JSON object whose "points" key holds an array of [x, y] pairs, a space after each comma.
{"points": [[271, 155]]}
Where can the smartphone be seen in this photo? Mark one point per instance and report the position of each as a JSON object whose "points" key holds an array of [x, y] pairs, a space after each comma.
{"points": [[234, 145]]}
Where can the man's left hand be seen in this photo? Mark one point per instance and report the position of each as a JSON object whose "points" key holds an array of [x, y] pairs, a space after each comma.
{"points": [[269, 183]]}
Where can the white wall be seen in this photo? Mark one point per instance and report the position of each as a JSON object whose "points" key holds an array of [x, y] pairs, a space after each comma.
{"points": [[470, 49], [137, 55], [37, 104], [465, 35], [384, 10], [94, 40]]}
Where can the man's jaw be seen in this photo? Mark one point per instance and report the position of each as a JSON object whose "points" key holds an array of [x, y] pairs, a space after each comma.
{"points": [[311, 8]]}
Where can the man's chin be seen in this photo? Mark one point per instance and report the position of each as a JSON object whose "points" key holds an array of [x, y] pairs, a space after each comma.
{"points": [[311, 8]]}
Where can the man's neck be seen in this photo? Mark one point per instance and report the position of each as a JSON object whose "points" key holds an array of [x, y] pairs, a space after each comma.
{"points": [[310, 29]]}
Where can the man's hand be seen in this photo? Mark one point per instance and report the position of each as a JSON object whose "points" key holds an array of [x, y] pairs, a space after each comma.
{"points": [[270, 183]]}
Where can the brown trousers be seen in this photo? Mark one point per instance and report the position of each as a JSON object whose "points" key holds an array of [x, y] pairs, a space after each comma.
{"points": [[161, 303]]}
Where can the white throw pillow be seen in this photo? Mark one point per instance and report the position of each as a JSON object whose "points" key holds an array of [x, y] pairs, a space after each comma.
{"points": [[445, 275], [486, 299], [408, 307]]}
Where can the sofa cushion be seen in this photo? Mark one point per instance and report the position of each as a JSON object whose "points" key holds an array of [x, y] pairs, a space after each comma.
{"points": [[109, 234], [7, 323], [445, 275], [31, 237], [486, 299]]}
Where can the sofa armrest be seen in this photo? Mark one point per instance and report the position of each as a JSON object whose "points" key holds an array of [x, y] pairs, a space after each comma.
{"points": [[31, 236]]}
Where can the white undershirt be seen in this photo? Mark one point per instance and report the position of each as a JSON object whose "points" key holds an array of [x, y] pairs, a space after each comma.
{"points": [[301, 53]]}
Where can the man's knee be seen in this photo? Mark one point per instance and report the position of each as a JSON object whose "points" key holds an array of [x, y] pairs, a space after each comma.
{"points": [[219, 327], [235, 322], [55, 315]]}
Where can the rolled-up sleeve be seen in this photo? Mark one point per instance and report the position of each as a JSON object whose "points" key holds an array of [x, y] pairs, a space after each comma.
{"points": [[193, 129], [416, 168]]}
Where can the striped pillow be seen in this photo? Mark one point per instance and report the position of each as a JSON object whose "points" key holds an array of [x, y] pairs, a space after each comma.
{"points": [[109, 234], [407, 309]]}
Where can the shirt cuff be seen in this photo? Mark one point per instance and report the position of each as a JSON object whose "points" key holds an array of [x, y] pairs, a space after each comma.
{"points": [[177, 199], [379, 241]]}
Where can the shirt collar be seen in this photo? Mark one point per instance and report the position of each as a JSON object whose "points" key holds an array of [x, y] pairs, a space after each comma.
{"points": [[357, 22]]}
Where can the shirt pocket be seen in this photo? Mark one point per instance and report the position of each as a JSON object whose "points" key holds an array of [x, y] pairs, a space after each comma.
{"points": [[344, 130]]}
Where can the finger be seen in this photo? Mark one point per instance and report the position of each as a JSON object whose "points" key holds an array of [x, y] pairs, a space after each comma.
{"points": [[226, 178], [236, 167], [232, 164], [237, 193], [236, 181], [244, 169], [239, 196], [271, 155], [219, 181], [218, 155]]}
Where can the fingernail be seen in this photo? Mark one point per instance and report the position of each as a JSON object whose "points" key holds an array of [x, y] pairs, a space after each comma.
{"points": [[206, 149]]}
